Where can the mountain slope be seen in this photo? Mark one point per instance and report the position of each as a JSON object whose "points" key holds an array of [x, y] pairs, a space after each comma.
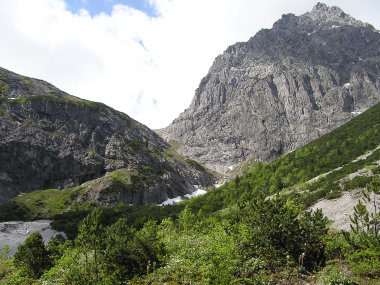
{"points": [[324, 167], [283, 88], [50, 139], [233, 233]]}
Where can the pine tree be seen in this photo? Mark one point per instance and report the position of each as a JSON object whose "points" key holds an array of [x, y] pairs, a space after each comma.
{"points": [[91, 238], [32, 256]]}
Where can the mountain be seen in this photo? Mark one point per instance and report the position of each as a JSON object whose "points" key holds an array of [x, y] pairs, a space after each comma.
{"points": [[283, 88], [343, 162], [50, 139]]}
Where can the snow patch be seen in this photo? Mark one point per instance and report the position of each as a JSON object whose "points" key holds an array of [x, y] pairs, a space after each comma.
{"points": [[335, 26], [196, 193], [12, 98], [356, 113], [172, 201], [347, 85], [231, 167]]}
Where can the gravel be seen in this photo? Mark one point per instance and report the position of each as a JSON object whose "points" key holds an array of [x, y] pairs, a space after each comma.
{"points": [[14, 233], [339, 210]]}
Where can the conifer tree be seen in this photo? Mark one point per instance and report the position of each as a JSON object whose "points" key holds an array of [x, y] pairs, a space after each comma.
{"points": [[32, 256]]}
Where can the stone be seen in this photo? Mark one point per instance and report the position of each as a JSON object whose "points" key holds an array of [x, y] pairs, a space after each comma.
{"points": [[283, 88], [50, 139]]}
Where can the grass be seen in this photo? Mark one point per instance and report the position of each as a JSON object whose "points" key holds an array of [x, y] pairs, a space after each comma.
{"points": [[195, 165], [168, 153], [132, 145], [175, 144], [45, 204], [243, 167], [25, 80], [4, 85], [60, 99], [39, 204], [6, 270], [63, 100]]}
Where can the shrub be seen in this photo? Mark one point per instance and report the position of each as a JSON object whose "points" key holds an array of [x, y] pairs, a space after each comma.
{"points": [[32, 257], [279, 233]]}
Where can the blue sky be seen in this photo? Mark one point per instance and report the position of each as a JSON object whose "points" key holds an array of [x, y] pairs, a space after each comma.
{"points": [[95, 7]]}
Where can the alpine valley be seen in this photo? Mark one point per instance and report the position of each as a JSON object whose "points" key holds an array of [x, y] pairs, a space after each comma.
{"points": [[289, 121]]}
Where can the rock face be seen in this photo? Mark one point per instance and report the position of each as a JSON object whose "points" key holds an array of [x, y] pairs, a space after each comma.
{"points": [[49, 139], [283, 88]]}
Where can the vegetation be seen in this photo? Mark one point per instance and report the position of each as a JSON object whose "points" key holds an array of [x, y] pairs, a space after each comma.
{"points": [[253, 230], [290, 173], [175, 144], [243, 167], [264, 241], [4, 85], [32, 257], [58, 99], [41, 204], [174, 155], [195, 165]]}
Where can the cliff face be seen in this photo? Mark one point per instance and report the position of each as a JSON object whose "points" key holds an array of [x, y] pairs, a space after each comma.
{"points": [[49, 139], [283, 88]]}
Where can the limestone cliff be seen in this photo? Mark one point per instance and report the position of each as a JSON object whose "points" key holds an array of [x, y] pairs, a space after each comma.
{"points": [[283, 88], [50, 139]]}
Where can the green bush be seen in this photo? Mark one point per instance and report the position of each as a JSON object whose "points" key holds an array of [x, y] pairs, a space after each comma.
{"points": [[337, 247], [32, 257], [366, 262], [279, 233]]}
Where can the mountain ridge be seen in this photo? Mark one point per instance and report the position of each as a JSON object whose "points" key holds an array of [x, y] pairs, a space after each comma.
{"points": [[281, 89], [50, 139]]}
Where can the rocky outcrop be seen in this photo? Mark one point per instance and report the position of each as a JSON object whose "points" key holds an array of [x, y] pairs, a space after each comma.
{"points": [[283, 88], [49, 139]]}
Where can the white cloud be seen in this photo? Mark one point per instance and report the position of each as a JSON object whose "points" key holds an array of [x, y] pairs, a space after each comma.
{"points": [[145, 67]]}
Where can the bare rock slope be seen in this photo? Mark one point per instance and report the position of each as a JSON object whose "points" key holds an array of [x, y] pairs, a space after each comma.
{"points": [[283, 88], [50, 139]]}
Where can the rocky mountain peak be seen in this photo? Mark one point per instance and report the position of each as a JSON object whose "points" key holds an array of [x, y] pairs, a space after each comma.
{"points": [[323, 13], [320, 17], [283, 88]]}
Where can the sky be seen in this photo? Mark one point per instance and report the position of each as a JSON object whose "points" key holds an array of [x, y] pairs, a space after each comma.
{"points": [[144, 58]]}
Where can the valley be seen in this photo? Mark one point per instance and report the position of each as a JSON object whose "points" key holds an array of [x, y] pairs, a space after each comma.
{"points": [[271, 176]]}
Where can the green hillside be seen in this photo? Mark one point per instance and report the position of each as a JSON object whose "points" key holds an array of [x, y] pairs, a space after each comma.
{"points": [[232, 235], [338, 148]]}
